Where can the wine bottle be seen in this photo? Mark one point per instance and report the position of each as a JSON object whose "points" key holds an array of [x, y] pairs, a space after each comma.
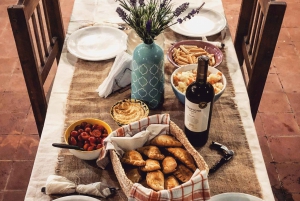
{"points": [[199, 100]]}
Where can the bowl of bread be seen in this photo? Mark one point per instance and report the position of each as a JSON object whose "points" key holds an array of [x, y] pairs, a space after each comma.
{"points": [[187, 51], [163, 163], [182, 77]]}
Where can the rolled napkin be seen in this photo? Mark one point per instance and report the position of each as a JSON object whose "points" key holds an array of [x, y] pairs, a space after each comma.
{"points": [[218, 44], [197, 188], [60, 185], [118, 77]]}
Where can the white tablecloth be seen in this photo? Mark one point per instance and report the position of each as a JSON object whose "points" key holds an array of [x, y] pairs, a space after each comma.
{"points": [[104, 10]]}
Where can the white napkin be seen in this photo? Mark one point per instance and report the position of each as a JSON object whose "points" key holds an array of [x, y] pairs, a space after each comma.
{"points": [[121, 144], [133, 135], [218, 44], [118, 77], [60, 185]]}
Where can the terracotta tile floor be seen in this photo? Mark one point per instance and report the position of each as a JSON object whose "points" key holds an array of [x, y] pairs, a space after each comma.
{"points": [[277, 122]]}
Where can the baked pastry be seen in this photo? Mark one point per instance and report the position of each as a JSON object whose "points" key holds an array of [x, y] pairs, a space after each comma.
{"points": [[151, 165], [152, 152], [171, 182], [169, 165], [165, 141], [183, 173], [133, 157], [134, 175], [184, 156], [155, 180]]}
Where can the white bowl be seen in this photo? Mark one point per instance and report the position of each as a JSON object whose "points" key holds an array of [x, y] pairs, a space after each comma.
{"points": [[181, 96], [86, 155]]}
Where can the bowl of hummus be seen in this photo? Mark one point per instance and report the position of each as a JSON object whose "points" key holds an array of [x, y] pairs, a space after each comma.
{"points": [[128, 110]]}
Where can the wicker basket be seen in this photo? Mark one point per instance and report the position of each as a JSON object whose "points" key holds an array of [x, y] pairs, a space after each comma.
{"points": [[126, 184]]}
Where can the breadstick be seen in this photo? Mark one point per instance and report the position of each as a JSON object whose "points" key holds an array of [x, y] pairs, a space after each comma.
{"points": [[189, 57], [189, 46], [196, 50], [183, 49], [183, 59], [199, 54]]}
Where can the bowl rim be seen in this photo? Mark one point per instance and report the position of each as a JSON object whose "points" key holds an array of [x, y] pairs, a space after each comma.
{"points": [[142, 103], [66, 134], [169, 52], [223, 78]]}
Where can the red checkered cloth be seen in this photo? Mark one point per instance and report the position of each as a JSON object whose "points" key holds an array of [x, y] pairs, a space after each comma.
{"points": [[196, 188]]}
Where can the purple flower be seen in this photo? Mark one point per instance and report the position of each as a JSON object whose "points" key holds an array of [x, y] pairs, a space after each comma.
{"points": [[180, 9], [179, 20], [141, 2], [149, 26], [133, 2], [193, 12], [163, 3], [121, 13]]}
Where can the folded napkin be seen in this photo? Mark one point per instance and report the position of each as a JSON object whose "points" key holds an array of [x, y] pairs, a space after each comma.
{"points": [[218, 44], [133, 136], [60, 185], [118, 77], [196, 188]]}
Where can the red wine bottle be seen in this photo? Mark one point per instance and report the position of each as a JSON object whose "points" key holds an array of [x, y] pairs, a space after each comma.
{"points": [[199, 100]]}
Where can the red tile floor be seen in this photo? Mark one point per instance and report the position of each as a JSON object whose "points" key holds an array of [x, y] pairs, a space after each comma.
{"points": [[277, 122]]}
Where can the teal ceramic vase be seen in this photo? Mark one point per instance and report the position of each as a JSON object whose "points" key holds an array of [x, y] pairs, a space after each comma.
{"points": [[147, 75]]}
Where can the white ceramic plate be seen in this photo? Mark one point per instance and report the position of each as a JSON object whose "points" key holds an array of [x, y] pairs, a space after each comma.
{"points": [[97, 43], [234, 197], [76, 198], [206, 23]]}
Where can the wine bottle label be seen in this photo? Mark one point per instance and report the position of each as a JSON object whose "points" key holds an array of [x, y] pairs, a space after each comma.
{"points": [[196, 115]]}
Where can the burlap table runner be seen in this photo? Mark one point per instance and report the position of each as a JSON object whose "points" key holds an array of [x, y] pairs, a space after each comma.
{"points": [[238, 175]]}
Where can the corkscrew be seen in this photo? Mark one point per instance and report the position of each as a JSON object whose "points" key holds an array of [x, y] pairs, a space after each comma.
{"points": [[228, 154]]}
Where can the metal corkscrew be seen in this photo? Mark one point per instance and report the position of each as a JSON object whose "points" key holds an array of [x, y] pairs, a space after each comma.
{"points": [[228, 154]]}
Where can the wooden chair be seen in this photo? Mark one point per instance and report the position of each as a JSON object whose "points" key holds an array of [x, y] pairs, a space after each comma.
{"points": [[256, 36], [39, 36]]}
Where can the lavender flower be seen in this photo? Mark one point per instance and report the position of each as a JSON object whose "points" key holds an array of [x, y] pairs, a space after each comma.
{"points": [[133, 2], [149, 26], [141, 2], [193, 12], [121, 13], [163, 4], [180, 9], [152, 17]]}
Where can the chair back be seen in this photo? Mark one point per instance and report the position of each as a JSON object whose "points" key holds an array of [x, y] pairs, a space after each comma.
{"points": [[39, 36], [256, 36]]}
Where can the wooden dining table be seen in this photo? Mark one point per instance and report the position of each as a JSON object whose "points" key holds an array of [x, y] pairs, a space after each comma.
{"points": [[86, 12]]}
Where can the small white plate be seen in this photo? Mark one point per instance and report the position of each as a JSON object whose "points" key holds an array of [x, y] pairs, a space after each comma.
{"points": [[234, 196], [76, 198], [97, 43], [206, 23]]}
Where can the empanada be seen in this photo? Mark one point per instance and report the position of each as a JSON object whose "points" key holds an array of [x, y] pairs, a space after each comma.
{"points": [[151, 165], [184, 156], [152, 152], [134, 175], [169, 165], [171, 182], [155, 180], [133, 157], [183, 173], [165, 141]]}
